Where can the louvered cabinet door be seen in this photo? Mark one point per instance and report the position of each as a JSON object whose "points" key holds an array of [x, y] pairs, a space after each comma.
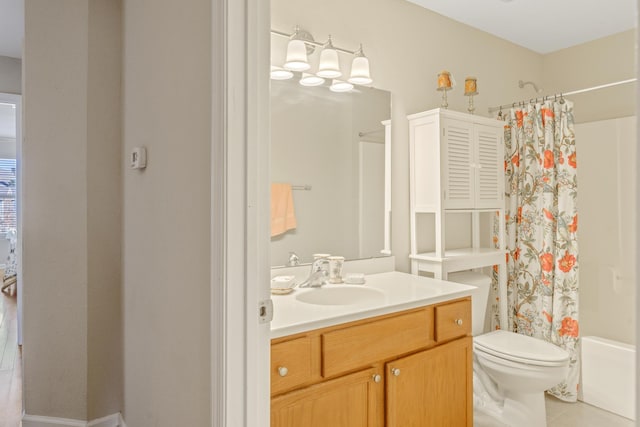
{"points": [[488, 165], [458, 173]]}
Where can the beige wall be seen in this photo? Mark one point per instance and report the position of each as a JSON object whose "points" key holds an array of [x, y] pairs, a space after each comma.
{"points": [[602, 61], [71, 228], [167, 97], [10, 75], [407, 46]]}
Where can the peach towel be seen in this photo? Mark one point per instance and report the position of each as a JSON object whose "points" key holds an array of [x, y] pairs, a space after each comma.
{"points": [[283, 216]]}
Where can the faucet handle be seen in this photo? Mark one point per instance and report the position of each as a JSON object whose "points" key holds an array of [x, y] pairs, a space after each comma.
{"points": [[294, 259], [318, 263]]}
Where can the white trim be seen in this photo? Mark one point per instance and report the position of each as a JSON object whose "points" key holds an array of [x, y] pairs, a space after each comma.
{"points": [[239, 221], [114, 420], [258, 211], [239, 212]]}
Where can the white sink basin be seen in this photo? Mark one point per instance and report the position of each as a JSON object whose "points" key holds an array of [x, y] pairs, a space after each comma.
{"points": [[342, 295]]}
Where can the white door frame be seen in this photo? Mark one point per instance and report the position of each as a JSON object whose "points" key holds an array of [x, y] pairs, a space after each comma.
{"points": [[240, 212], [11, 98]]}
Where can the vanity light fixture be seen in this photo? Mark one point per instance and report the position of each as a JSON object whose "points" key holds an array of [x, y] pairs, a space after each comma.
{"points": [[340, 86], [301, 44], [360, 69], [311, 80], [329, 62], [296, 53], [279, 73]]}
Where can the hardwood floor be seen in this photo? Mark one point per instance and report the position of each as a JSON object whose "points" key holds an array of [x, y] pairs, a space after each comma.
{"points": [[10, 363]]}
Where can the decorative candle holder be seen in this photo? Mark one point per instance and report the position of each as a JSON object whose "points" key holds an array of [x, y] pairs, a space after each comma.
{"points": [[471, 89], [444, 85]]}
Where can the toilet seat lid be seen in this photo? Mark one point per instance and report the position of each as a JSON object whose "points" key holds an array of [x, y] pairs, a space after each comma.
{"points": [[521, 348]]}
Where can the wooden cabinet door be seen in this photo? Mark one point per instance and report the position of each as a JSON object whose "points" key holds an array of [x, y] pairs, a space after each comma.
{"points": [[432, 388], [458, 173], [354, 400], [489, 165]]}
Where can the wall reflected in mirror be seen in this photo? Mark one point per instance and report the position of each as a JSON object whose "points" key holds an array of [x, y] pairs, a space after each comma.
{"points": [[330, 148]]}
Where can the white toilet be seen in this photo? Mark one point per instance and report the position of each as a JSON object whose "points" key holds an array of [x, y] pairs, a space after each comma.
{"points": [[510, 371]]}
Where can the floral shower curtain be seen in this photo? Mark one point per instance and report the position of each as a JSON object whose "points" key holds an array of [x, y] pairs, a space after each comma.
{"points": [[541, 227]]}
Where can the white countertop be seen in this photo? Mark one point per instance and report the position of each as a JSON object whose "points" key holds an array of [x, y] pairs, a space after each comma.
{"points": [[400, 291]]}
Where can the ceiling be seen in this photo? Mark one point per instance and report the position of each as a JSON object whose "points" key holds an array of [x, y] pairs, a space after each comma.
{"points": [[543, 26], [11, 27]]}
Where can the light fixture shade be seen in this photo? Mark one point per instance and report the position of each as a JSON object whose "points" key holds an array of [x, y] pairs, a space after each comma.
{"points": [[360, 71], [296, 56], [329, 63], [278, 73], [311, 80], [340, 86]]}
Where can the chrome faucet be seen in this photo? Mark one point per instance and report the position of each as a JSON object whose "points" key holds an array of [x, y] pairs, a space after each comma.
{"points": [[319, 275], [293, 259]]}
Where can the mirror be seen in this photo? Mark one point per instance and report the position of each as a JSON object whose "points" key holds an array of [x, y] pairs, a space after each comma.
{"points": [[330, 147]]}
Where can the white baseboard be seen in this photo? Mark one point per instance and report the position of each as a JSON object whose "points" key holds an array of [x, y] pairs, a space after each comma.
{"points": [[114, 420]]}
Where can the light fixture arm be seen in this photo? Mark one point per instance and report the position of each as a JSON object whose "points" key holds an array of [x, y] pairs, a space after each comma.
{"points": [[309, 41]]}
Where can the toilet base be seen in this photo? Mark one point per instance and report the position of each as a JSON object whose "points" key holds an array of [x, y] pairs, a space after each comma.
{"points": [[524, 409]]}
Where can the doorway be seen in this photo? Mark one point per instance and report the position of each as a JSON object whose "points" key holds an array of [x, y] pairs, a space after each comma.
{"points": [[10, 286]]}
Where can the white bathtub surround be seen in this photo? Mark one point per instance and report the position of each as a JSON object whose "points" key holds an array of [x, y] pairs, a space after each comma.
{"points": [[608, 375], [608, 252], [541, 229], [114, 420]]}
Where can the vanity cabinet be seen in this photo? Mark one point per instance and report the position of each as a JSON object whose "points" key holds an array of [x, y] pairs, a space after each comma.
{"points": [[430, 388], [408, 368], [354, 400]]}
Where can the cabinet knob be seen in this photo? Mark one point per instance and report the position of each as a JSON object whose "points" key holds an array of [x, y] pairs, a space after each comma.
{"points": [[376, 378], [395, 372], [458, 322], [283, 371]]}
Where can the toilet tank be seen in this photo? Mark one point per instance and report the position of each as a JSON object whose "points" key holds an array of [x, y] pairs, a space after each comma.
{"points": [[479, 298]]}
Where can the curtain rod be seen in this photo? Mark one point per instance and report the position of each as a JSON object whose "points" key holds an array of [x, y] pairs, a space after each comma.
{"points": [[561, 94], [361, 134]]}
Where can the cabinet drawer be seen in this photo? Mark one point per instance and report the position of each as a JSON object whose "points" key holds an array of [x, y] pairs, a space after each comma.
{"points": [[453, 320], [292, 364], [357, 346]]}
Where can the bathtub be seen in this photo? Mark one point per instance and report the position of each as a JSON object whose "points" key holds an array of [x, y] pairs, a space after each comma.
{"points": [[608, 375]]}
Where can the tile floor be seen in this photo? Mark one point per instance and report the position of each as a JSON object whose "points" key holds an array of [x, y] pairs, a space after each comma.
{"points": [[561, 414]]}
